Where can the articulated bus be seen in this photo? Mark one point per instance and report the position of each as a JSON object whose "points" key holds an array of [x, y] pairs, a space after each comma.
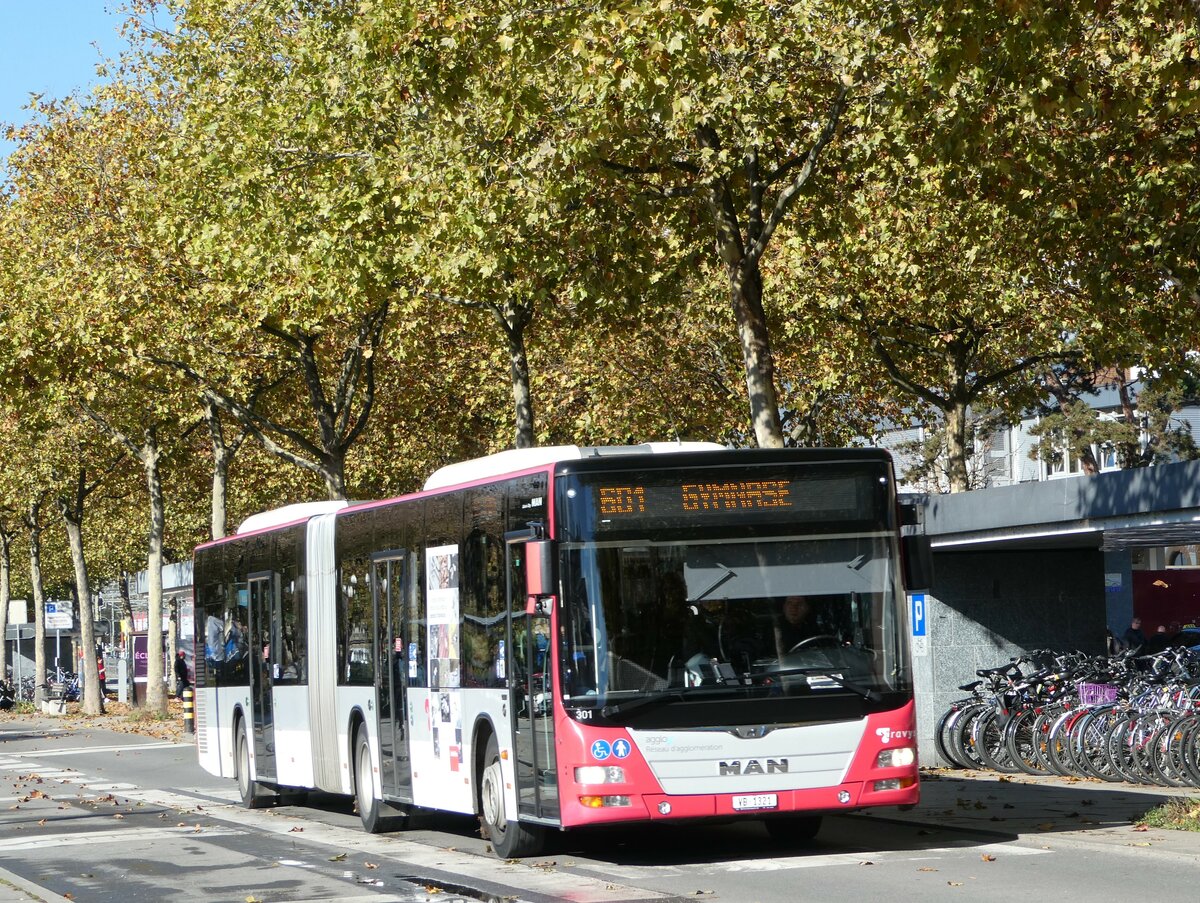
{"points": [[567, 637]]}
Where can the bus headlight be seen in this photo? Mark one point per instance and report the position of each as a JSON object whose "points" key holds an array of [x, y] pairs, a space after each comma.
{"points": [[600, 774], [900, 757]]}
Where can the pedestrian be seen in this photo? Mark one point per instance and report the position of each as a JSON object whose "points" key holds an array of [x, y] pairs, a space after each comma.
{"points": [[181, 674], [1134, 637], [1114, 645], [102, 681]]}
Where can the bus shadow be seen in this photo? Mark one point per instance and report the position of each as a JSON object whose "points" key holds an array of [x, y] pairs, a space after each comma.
{"points": [[957, 810]]}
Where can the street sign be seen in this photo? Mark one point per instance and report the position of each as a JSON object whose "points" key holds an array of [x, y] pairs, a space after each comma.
{"points": [[59, 616], [920, 624]]}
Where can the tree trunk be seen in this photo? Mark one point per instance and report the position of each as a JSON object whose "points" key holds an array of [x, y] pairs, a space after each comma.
{"points": [[1129, 453], [956, 446], [34, 526], [515, 318], [72, 513], [222, 455], [334, 474], [156, 700], [746, 291]]}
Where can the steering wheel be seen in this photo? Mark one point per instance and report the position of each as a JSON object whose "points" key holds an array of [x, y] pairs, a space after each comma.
{"points": [[825, 639]]}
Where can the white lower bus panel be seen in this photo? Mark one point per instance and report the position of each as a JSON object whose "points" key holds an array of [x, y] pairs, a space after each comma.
{"points": [[293, 748], [441, 733], [215, 707]]}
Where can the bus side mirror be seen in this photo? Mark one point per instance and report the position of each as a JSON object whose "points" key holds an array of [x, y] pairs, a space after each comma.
{"points": [[917, 557], [540, 579]]}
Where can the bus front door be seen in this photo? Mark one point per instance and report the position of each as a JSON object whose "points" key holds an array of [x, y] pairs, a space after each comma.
{"points": [[391, 680], [263, 598], [531, 689]]}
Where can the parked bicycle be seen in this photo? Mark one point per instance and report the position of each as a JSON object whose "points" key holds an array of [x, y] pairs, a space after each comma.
{"points": [[1121, 718]]}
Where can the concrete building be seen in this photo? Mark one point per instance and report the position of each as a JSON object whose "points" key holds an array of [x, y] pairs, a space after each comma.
{"points": [[1051, 564]]}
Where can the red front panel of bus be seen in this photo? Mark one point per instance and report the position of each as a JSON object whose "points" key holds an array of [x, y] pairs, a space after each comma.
{"points": [[641, 796]]}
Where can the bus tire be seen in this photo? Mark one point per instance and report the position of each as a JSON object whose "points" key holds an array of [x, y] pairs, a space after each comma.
{"points": [[792, 829], [510, 839], [378, 817], [254, 794]]}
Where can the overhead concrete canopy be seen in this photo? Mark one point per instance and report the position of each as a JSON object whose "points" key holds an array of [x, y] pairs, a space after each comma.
{"points": [[1149, 506]]}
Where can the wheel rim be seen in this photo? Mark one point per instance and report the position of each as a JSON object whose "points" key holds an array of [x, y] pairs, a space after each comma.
{"points": [[243, 765], [492, 797], [366, 790]]}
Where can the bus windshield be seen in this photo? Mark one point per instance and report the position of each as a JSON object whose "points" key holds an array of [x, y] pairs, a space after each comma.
{"points": [[784, 618]]}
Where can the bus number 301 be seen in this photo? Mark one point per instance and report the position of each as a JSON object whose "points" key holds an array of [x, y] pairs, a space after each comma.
{"points": [[622, 500]]}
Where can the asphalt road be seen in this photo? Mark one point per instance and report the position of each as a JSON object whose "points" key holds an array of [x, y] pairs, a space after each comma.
{"points": [[113, 817]]}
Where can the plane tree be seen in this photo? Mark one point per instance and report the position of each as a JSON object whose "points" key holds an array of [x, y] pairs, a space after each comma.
{"points": [[712, 125]]}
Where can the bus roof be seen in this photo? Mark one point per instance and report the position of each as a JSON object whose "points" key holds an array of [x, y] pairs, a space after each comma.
{"points": [[288, 514], [519, 459]]}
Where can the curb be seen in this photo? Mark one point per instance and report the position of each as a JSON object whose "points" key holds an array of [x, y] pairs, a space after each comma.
{"points": [[15, 889]]}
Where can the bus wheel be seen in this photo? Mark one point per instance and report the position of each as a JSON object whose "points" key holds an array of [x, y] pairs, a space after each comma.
{"points": [[371, 809], [254, 795], [793, 829], [510, 839]]}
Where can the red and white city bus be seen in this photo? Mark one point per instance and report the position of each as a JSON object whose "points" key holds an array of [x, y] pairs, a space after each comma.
{"points": [[565, 637]]}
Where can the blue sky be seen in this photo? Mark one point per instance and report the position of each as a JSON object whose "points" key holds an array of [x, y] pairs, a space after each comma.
{"points": [[46, 46]]}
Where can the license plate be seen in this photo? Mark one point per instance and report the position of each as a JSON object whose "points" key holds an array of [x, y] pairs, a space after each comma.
{"points": [[757, 801]]}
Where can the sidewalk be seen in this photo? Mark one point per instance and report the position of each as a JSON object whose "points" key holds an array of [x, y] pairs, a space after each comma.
{"points": [[1046, 810]]}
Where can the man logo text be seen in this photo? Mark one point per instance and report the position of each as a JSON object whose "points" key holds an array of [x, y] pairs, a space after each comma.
{"points": [[754, 766]]}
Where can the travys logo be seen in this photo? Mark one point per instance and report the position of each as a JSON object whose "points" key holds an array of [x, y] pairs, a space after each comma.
{"points": [[887, 735]]}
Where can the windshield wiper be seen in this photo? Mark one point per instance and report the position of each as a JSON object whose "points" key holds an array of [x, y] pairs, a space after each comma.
{"points": [[852, 686], [721, 578]]}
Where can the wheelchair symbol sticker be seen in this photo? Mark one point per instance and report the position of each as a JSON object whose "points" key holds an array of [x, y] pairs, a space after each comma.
{"points": [[620, 748], [601, 750]]}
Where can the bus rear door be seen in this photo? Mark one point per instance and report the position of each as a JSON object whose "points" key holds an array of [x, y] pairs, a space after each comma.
{"points": [[391, 629], [264, 618]]}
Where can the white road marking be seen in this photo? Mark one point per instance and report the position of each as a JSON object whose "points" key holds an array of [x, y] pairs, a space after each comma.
{"points": [[78, 750], [124, 836], [97, 785]]}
